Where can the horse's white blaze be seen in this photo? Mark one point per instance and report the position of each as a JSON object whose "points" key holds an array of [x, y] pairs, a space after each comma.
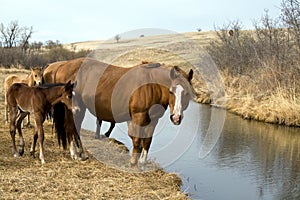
{"points": [[178, 106]]}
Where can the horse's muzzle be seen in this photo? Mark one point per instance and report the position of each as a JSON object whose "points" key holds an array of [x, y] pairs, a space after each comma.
{"points": [[176, 119]]}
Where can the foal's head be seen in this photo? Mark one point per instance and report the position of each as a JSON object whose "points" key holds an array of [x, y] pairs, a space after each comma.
{"points": [[36, 76], [67, 95], [180, 93]]}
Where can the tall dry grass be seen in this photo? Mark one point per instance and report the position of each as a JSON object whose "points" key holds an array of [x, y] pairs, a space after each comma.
{"points": [[260, 96]]}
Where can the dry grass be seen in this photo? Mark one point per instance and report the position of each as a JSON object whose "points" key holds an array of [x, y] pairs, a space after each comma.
{"points": [[253, 97], [63, 178]]}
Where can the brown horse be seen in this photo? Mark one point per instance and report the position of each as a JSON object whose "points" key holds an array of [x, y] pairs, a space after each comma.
{"points": [[139, 95], [38, 101], [34, 78]]}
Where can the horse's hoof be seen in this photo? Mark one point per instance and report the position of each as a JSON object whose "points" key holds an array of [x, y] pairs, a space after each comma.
{"points": [[16, 155], [21, 152], [84, 157], [32, 154]]}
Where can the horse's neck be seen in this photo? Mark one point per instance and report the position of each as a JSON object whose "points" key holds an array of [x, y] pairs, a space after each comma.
{"points": [[53, 94], [28, 80]]}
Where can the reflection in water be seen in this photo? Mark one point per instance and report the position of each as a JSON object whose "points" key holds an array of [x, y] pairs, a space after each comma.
{"points": [[251, 160]]}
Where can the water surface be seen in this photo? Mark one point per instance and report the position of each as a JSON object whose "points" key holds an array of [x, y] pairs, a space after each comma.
{"points": [[251, 160]]}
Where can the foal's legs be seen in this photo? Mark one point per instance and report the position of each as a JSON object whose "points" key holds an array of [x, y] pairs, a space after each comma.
{"points": [[39, 120], [32, 148], [13, 116], [19, 122], [28, 121]]}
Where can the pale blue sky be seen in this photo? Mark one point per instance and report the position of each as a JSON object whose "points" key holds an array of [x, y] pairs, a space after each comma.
{"points": [[82, 20]]}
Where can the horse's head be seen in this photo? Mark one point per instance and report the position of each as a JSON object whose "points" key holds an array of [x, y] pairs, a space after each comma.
{"points": [[180, 93], [36, 76], [67, 96]]}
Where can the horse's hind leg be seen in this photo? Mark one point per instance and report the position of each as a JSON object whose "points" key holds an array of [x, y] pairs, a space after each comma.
{"points": [[28, 121], [39, 127], [112, 126], [6, 112], [12, 129], [98, 128], [22, 142], [32, 148]]}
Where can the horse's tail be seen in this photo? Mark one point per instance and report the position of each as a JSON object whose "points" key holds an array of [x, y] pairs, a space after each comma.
{"points": [[59, 121], [65, 126]]}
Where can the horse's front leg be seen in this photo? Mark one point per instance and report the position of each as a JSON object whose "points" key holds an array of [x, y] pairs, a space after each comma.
{"points": [[134, 132], [146, 142]]}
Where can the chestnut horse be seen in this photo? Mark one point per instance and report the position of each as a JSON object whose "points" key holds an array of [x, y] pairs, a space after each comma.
{"points": [[38, 101], [138, 95], [34, 78]]}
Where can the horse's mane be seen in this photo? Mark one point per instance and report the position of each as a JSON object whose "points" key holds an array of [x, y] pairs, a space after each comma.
{"points": [[146, 64], [50, 85]]}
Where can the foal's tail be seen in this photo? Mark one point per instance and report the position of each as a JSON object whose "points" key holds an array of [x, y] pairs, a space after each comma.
{"points": [[59, 122]]}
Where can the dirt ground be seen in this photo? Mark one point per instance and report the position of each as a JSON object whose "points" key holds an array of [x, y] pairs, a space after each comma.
{"points": [[63, 178]]}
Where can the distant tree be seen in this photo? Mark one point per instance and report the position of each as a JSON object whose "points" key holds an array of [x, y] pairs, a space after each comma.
{"points": [[25, 36], [10, 34], [13, 35], [117, 37], [49, 44], [142, 35], [36, 46], [199, 29]]}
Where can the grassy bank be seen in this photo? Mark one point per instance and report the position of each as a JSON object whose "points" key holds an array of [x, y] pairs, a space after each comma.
{"points": [[63, 178], [252, 97]]}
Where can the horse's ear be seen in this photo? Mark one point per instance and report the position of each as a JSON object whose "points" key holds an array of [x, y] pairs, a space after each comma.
{"points": [[75, 84], [173, 72], [68, 85], [190, 76]]}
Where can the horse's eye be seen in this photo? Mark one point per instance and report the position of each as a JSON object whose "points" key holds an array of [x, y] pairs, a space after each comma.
{"points": [[35, 76]]}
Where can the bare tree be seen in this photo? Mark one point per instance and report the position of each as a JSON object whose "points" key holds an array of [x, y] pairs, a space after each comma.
{"points": [[291, 17], [25, 36], [10, 34]]}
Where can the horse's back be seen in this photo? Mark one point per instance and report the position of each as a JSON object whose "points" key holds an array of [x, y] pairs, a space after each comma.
{"points": [[13, 78], [50, 71]]}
